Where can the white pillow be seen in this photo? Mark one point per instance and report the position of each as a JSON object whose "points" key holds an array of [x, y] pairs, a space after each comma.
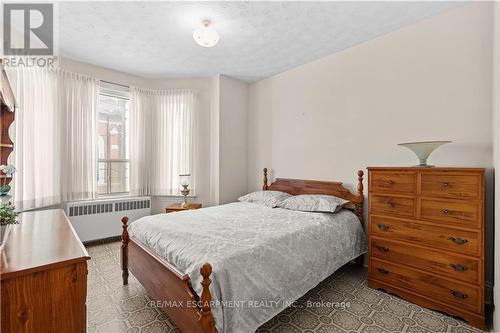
{"points": [[314, 203], [267, 198]]}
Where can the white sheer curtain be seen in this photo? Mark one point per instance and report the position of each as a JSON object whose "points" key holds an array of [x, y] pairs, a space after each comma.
{"points": [[162, 140], [78, 111], [55, 135]]}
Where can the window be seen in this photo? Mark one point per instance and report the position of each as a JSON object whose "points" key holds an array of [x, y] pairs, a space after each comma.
{"points": [[113, 145]]}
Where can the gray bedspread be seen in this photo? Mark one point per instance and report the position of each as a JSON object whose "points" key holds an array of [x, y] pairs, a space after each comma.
{"points": [[263, 258]]}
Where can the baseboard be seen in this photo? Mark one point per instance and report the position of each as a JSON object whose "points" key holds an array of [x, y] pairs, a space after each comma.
{"points": [[102, 241]]}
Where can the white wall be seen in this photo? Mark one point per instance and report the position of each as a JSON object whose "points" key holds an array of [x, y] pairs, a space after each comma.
{"points": [[215, 141], [203, 86], [331, 117], [233, 140], [229, 139], [496, 157]]}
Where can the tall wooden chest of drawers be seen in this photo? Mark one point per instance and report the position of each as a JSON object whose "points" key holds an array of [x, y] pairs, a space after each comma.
{"points": [[426, 237]]}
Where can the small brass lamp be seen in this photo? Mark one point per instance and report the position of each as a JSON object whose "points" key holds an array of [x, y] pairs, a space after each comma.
{"points": [[184, 181]]}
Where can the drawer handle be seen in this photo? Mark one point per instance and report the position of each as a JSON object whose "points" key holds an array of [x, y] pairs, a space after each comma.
{"points": [[389, 204], [445, 211], [382, 248], [445, 184], [390, 182], [458, 294], [458, 240], [382, 271], [383, 227], [459, 267]]}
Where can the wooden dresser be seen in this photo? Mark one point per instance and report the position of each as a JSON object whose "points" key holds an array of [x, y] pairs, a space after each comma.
{"points": [[43, 276], [426, 237]]}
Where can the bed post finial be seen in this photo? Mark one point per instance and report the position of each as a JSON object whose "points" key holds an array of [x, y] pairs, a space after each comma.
{"points": [[359, 212], [265, 187], [124, 250], [360, 182], [359, 204], [206, 318]]}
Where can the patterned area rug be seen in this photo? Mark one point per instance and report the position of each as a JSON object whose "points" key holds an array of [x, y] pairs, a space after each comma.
{"points": [[116, 308]]}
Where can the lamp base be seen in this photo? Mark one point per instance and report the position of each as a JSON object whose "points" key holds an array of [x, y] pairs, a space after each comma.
{"points": [[185, 193]]}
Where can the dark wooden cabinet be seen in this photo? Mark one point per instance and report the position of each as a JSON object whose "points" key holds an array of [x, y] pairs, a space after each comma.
{"points": [[7, 107], [43, 276], [426, 237]]}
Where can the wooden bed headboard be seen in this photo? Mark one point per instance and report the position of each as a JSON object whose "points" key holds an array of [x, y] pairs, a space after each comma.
{"points": [[301, 186]]}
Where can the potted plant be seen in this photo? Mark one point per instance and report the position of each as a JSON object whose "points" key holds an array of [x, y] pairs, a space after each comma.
{"points": [[8, 171], [8, 216]]}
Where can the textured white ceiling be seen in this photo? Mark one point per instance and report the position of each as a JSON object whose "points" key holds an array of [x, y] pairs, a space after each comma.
{"points": [[257, 39]]}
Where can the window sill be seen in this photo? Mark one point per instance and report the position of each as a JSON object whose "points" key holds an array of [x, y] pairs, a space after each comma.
{"points": [[174, 196], [118, 196], [126, 195]]}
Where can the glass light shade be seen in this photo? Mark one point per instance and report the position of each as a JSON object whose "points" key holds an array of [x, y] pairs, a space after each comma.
{"points": [[423, 149], [184, 179], [206, 36]]}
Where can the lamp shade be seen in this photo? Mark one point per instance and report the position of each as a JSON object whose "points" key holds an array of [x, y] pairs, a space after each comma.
{"points": [[423, 149], [184, 179]]}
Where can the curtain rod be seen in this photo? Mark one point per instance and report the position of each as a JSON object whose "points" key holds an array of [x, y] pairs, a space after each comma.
{"points": [[122, 85]]}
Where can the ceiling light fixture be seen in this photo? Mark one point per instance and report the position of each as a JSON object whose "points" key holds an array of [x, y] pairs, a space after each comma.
{"points": [[206, 36]]}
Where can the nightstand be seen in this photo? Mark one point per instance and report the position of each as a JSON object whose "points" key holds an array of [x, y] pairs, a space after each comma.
{"points": [[177, 207]]}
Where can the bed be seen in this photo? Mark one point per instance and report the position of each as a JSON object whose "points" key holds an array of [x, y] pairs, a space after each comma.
{"points": [[262, 259]]}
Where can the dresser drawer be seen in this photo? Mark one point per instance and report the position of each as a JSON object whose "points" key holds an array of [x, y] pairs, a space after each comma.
{"points": [[389, 205], [451, 186], [447, 291], [400, 182], [458, 212], [460, 241], [452, 265]]}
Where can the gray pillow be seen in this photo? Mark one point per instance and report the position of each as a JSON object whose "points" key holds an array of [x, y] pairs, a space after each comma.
{"points": [[267, 198], [314, 203]]}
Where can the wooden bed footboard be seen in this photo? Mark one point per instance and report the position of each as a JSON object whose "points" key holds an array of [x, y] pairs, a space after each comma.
{"points": [[167, 286]]}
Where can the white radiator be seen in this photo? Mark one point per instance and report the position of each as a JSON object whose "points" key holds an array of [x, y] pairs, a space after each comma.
{"points": [[99, 219]]}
